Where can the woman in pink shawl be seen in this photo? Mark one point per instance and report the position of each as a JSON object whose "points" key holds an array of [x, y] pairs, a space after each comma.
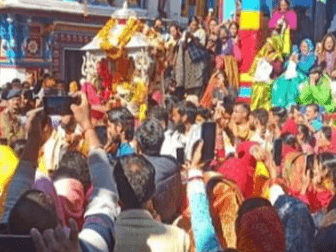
{"points": [[283, 15], [69, 197], [96, 99]]}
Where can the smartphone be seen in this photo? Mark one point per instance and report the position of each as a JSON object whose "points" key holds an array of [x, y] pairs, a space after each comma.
{"points": [[277, 152], [16, 243], [180, 155], [209, 140], [58, 105], [101, 132]]}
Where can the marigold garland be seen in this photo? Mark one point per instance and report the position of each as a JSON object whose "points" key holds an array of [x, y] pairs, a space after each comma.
{"points": [[114, 52]]}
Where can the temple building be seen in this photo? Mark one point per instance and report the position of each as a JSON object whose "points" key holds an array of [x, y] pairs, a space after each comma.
{"points": [[47, 34], [41, 35]]}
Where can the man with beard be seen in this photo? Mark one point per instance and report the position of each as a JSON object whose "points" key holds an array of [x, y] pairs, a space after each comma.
{"points": [[240, 126], [120, 132], [187, 132], [11, 126], [67, 136]]}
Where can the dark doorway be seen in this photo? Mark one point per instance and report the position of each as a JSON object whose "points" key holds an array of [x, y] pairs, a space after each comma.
{"points": [[73, 60]]}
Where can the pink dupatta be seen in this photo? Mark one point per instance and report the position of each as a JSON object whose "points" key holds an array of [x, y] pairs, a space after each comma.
{"points": [[289, 16]]}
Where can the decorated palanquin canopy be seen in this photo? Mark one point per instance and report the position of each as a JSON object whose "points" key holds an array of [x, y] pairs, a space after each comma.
{"points": [[121, 32]]}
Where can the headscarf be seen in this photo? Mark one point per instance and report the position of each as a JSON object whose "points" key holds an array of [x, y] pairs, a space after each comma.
{"points": [[288, 166], [298, 223], [235, 170], [46, 185], [72, 197], [307, 61], [260, 230], [310, 46], [241, 169], [276, 43], [291, 127]]}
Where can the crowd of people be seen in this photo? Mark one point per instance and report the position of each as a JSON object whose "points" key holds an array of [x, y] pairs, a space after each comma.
{"points": [[103, 179]]}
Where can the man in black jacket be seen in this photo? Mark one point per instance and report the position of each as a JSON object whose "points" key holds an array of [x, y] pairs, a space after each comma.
{"points": [[168, 194]]}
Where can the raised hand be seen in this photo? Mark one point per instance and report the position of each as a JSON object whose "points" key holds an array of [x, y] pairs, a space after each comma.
{"points": [[57, 240]]}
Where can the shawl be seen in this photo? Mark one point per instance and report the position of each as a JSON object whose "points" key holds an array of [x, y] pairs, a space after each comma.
{"points": [[330, 61], [72, 197], [230, 66], [206, 101], [45, 185], [290, 126], [225, 199], [277, 44], [260, 230], [236, 170], [298, 223], [320, 94], [331, 148], [241, 169], [287, 173], [227, 48], [290, 18]]}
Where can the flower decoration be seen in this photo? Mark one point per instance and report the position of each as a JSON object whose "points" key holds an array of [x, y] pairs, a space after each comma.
{"points": [[112, 51]]}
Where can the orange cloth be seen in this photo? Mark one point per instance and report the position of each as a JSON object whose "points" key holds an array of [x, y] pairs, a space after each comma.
{"points": [[206, 101], [225, 199], [230, 66]]}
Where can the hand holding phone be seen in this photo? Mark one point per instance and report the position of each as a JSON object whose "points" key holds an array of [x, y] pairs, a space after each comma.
{"points": [[59, 105], [16, 243], [209, 141]]}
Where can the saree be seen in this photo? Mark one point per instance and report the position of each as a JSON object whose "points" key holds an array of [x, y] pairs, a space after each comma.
{"points": [[206, 101], [285, 91], [225, 199], [230, 66], [260, 90], [317, 198], [320, 94]]}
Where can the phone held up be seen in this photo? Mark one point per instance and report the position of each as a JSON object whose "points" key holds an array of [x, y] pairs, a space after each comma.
{"points": [[16, 243], [209, 140], [59, 105]]}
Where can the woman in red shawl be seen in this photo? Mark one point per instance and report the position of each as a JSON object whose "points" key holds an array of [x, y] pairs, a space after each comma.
{"points": [[326, 140], [241, 169], [259, 227]]}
